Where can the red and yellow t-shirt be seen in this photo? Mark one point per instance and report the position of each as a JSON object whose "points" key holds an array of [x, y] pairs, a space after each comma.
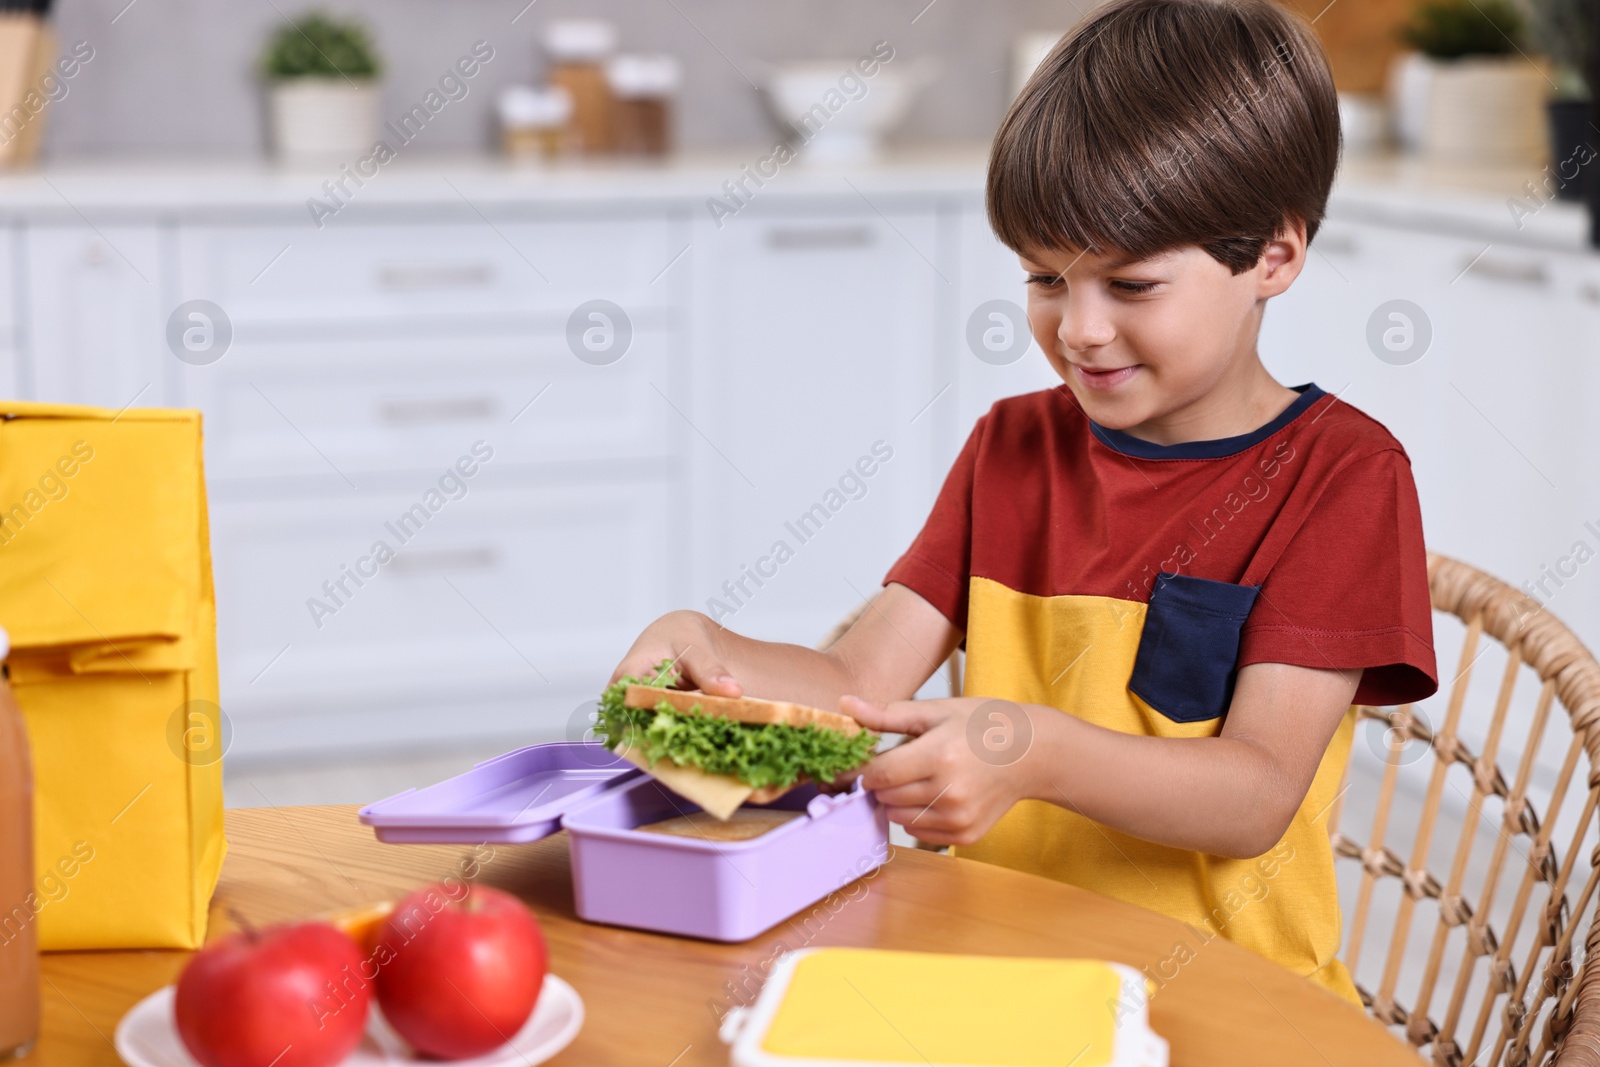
{"points": [[1126, 582]]}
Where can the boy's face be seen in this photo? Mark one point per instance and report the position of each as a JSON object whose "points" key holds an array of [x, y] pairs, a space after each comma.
{"points": [[1163, 347]]}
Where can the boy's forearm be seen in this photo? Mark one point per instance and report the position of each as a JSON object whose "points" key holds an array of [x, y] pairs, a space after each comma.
{"points": [[1215, 795], [774, 670]]}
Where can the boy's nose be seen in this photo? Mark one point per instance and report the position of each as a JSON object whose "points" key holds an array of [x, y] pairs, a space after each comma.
{"points": [[1082, 328]]}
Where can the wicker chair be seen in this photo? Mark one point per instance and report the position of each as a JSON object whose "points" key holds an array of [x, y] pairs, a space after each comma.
{"points": [[1540, 1002], [1536, 999]]}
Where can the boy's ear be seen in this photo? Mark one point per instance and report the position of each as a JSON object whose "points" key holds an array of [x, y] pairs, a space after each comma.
{"points": [[1282, 259]]}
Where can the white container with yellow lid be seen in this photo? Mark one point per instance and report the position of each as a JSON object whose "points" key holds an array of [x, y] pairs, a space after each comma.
{"points": [[833, 1007]]}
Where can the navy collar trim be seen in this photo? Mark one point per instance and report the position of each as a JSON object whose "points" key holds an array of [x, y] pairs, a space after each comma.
{"points": [[1129, 445]]}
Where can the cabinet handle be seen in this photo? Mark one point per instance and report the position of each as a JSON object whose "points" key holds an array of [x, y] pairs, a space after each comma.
{"points": [[459, 409], [1491, 268], [798, 238], [438, 276], [417, 561]]}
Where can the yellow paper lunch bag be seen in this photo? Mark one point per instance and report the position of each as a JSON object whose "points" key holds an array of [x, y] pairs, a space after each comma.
{"points": [[105, 589]]}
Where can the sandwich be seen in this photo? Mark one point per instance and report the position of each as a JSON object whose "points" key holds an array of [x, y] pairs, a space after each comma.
{"points": [[722, 752]]}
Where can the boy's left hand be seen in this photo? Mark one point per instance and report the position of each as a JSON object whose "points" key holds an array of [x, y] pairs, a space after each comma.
{"points": [[953, 777]]}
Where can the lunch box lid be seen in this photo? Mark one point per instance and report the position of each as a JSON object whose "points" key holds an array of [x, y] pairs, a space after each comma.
{"points": [[517, 797], [836, 1007]]}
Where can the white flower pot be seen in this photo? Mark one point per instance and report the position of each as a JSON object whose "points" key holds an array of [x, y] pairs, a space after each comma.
{"points": [[322, 119], [1485, 110]]}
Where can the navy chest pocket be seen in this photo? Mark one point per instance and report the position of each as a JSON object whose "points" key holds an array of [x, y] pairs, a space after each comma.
{"points": [[1190, 646]]}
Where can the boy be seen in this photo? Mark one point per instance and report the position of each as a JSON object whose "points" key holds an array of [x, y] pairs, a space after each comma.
{"points": [[1173, 575]]}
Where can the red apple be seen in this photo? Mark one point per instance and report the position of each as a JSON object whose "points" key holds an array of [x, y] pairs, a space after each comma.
{"points": [[460, 969], [286, 996]]}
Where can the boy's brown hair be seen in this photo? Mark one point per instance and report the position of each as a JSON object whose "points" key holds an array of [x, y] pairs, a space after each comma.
{"points": [[1161, 123]]}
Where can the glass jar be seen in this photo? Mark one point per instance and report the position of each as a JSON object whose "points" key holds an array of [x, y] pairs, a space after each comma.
{"points": [[535, 123], [19, 933], [578, 50], [642, 89]]}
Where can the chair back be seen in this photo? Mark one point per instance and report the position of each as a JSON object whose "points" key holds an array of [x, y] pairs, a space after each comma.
{"points": [[1506, 921]]}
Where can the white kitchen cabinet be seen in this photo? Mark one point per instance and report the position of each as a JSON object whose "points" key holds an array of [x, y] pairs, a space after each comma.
{"points": [[10, 248], [1317, 331], [95, 328], [333, 409], [814, 340], [993, 293], [1579, 602], [279, 277], [366, 361], [498, 614], [1527, 486], [1517, 373], [12, 372]]}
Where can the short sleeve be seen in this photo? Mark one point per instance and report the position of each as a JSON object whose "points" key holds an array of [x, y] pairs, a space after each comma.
{"points": [[937, 564], [1350, 589]]}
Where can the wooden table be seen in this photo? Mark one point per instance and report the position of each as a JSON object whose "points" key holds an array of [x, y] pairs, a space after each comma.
{"points": [[655, 1000]]}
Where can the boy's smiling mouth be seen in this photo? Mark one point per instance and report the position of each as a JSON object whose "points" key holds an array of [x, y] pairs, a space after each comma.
{"points": [[1104, 378]]}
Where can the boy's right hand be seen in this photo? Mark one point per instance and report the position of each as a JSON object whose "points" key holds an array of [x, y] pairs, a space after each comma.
{"points": [[688, 639]]}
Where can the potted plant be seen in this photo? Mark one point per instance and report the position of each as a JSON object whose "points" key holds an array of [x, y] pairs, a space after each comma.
{"points": [[322, 88], [1564, 31], [1468, 95]]}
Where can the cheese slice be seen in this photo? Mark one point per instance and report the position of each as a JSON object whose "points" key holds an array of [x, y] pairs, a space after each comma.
{"points": [[718, 794], [740, 709]]}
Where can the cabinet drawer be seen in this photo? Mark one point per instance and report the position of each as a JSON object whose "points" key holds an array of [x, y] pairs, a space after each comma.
{"points": [[503, 590], [311, 408], [281, 275], [95, 319]]}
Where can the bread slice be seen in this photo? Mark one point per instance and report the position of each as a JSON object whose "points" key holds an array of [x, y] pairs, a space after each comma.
{"points": [[768, 793], [739, 709], [720, 794]]}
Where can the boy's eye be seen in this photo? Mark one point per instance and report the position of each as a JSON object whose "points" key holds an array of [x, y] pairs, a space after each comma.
{"points": [[1044, 281], [1134, 288]]}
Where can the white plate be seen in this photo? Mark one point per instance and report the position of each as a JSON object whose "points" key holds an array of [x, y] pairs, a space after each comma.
{"points": [[148, 1037]]}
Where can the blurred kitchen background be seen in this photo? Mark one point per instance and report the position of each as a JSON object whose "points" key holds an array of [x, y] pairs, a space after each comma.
{"points": [[587, 312]]}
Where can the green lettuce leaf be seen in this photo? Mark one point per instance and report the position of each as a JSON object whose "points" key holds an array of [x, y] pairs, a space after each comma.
{"points": [[759, 755]]}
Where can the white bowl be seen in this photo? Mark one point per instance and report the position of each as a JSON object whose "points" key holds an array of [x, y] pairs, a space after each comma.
{"points": [[838, 113], [148, 1036]]}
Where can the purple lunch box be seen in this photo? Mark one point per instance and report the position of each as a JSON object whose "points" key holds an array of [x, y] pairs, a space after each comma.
{"points": [[520, 796], [720, 890]]}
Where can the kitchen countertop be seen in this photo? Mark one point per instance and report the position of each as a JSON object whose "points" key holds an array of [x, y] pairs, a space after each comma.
{"points": [[1384, 189], [1473, 201], [487, 180]]}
